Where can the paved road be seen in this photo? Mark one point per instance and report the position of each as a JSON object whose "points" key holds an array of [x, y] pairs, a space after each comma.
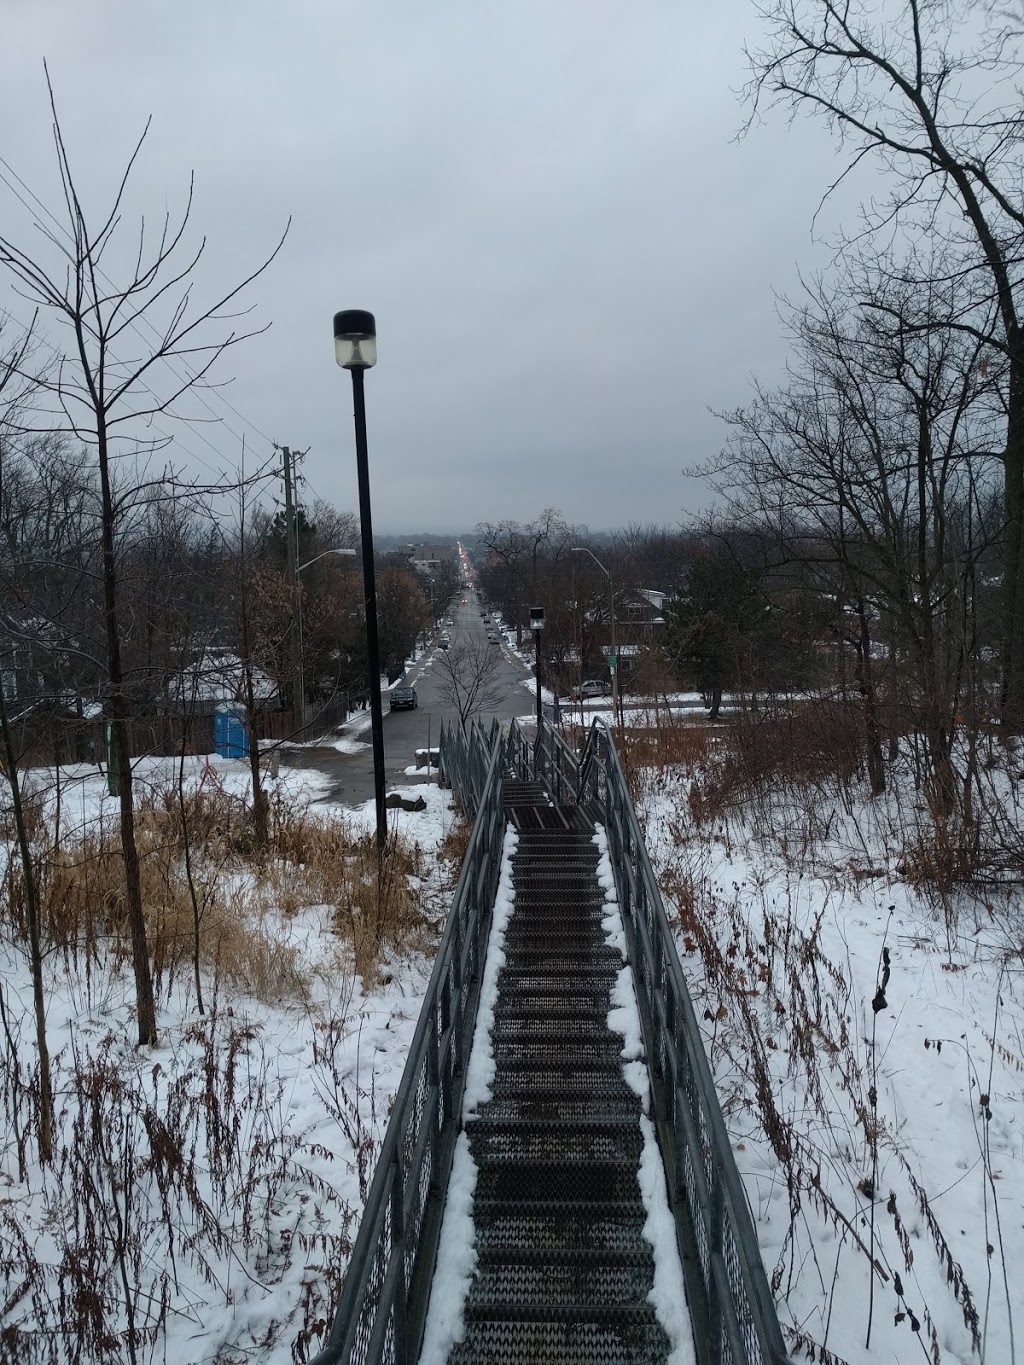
{"points": [[407, 731]]}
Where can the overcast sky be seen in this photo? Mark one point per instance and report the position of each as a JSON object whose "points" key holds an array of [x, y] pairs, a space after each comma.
{"points": [[569, 256]]}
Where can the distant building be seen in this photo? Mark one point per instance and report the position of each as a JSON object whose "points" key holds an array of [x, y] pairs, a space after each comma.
{"points": [[425, 558]]}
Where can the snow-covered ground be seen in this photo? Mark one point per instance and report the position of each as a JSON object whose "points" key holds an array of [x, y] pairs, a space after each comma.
{"points": [[221, 1174], [882, 1150]]}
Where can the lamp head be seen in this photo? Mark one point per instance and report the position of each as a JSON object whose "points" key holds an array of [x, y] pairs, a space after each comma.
{"points": [[355, 339]]}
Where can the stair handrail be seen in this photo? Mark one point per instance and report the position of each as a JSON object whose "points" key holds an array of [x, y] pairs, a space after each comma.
{"points": [[730, 1301], [555, 764], [382, 1308]]}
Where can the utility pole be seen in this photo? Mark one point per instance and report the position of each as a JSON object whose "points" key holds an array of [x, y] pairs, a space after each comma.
{"points": [[291, 570]]}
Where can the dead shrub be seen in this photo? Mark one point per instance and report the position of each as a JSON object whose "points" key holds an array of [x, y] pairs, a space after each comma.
{"points": [[669, 744], [83, 910], [942, 854], [32, 815], [759, 756], [164, 1174], [455, 844], [378, 910]]}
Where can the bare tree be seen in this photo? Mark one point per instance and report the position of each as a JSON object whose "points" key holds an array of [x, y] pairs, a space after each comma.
{"points": [[466, 677], [135, 348], [15, 389], [867, 470], [522, 553], [935, 98]]}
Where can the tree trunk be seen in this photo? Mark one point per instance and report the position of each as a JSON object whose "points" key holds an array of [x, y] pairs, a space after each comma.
{"points": [[866, 677], [117, 710], [35, 947], [716, 703], [186, 843], [1013, 547]]}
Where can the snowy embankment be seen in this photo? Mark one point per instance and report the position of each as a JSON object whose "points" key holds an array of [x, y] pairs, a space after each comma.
{"points": [[204, 1193], [882, 1149], [867, 1040]]}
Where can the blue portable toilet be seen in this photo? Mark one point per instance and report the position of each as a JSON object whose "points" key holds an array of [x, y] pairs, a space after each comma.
{"points": [[230, 737]]}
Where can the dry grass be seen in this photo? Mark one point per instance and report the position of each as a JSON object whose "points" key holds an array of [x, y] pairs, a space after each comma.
{"points": [[233, 893], [670, 744]]}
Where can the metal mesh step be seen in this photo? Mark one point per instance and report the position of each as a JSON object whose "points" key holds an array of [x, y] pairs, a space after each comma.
{"points": [[546, 1030], [570, 911], [556, 983], [516, 793], [557, 826], [557, 1076], [571, 1229], [555, 1004], [569, 1182], [623, 1337], [564, 1283], [552, 938], [564, 875], [545, 993], [551, 1107], [528, 817], [557, 1016], [532, 901], [544, 903], [569, 965], [579, 1052], [544, 854], [564, 1143]]}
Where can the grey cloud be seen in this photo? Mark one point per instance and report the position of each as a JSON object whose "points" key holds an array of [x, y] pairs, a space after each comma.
{"points": [[568, 256]]}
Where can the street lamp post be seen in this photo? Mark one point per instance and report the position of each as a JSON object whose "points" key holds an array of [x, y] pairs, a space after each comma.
{"points": [[537, 625], [613, 661], [302, 661], [355, 349]]}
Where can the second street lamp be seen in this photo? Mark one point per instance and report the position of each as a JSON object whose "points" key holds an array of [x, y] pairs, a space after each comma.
{"points": [[355, 349]]}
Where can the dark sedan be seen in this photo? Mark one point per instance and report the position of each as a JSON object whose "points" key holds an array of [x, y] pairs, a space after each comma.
{"points": [[404, 699]]}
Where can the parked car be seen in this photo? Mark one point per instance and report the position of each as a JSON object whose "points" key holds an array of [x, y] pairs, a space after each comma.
{"points": [[593, 687], [404, 699]]}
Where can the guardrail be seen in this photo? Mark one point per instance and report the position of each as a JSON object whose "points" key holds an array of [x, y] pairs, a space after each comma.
{"points": [[382, 1309], [465, 759], [730, 1302]]}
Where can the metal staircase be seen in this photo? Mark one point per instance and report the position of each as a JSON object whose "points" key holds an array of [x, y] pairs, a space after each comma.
{"points": [[563, 1271]]}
